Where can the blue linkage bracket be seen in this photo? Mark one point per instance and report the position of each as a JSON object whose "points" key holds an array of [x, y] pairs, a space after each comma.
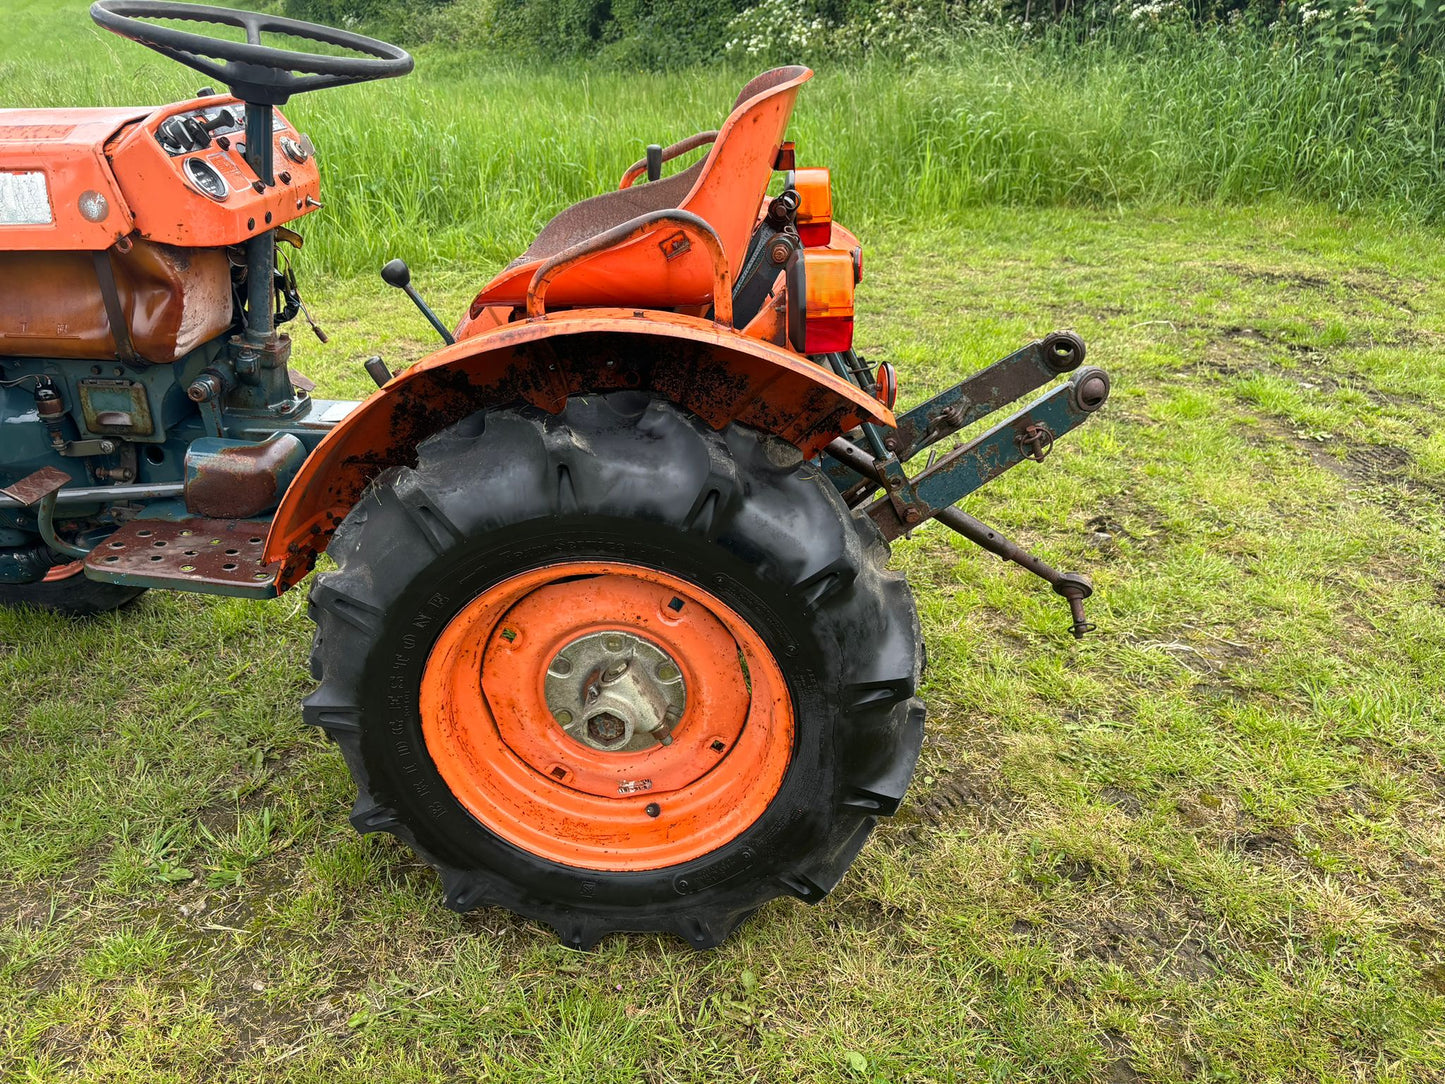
{"points": [[1029, 434], [906, 503]]}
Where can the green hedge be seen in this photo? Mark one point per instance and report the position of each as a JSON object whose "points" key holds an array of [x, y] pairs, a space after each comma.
{"points": [[661, 34]]}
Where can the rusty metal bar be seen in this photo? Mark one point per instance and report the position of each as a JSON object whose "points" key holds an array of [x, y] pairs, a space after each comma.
{"points": [[106, 494], [1028, 434], [682, 146], [45, 520], [1071, 585], [1026, 369]]}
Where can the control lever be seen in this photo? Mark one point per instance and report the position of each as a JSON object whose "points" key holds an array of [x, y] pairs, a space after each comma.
{"points": [[377, 370], [223, 119], [654, 161], [396, 273]]}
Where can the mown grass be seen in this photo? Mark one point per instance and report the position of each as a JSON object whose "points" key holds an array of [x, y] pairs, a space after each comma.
{"points": [[1203, 844]]}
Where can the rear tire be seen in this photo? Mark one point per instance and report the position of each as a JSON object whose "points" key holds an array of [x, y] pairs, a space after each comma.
{"points": [[71, 594], [618, 491]]}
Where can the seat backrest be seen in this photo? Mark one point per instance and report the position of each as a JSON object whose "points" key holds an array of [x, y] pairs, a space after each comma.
{"points": [[736, 172], [726, 190]]}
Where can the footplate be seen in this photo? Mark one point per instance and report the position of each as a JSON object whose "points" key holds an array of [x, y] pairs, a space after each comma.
{"points": [[214, 556]]}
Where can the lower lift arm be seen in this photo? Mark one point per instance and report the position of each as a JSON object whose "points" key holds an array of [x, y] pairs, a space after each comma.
{"points": [[909, 501]]}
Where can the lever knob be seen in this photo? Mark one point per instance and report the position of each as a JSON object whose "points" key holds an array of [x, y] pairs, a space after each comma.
{"points": [[377, 370], [396, 273]]}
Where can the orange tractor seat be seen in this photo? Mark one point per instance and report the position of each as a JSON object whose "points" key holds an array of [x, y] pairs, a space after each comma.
{"points": [[663, 268]]}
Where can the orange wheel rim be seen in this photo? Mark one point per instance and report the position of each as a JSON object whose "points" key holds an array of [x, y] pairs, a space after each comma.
{"points": [[64, 572], [607, 716]]}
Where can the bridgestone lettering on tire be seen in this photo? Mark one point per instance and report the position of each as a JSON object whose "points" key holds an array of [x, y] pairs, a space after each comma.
{"points": [[598, 526]]}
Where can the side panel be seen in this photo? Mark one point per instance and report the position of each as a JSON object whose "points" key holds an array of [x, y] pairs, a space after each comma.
{"points": [[714, 372], [65, 147], [173, 300]]}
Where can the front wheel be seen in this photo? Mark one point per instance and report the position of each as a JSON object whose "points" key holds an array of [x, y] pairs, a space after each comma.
{"points": [[615, 671], [65, 590]]}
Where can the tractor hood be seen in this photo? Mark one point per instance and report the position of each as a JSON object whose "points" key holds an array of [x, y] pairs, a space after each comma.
{"points": [[57, 190]]}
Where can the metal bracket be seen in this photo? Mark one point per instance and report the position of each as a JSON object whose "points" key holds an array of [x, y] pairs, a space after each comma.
{"points": [[1007, 444], [1023, 371], [38, 491], [94, 446], [1029, 434]]}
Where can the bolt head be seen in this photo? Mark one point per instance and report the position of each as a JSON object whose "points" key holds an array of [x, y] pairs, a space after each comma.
{"points": [[606, 728]]}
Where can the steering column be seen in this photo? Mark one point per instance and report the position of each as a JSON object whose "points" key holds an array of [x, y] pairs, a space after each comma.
{"points": [[262, 77]]}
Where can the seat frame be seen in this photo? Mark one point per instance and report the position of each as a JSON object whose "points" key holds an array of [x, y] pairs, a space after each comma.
{"points": [[662, 268]]}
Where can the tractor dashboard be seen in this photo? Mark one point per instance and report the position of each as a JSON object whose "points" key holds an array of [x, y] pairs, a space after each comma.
{"points": [[184, 173], [79, 180]]}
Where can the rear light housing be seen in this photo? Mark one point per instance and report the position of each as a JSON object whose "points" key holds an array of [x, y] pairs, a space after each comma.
{"points": [[815, 206], [820, 309]]}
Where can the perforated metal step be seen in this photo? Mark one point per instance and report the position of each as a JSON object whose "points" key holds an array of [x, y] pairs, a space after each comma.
{"points": [[215, 556]]}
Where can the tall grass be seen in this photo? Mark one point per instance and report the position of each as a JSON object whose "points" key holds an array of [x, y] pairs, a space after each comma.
{"points": [[460, 162], [466, 158]]}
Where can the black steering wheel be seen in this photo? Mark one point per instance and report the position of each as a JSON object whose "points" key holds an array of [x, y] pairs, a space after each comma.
{"points": [[254, 72]]}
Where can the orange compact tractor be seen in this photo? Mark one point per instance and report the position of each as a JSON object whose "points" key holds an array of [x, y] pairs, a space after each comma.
{"points": [[611, 640]]}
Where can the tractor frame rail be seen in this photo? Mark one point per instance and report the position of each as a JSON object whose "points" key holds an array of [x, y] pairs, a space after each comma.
{"points": [[871, 474]]}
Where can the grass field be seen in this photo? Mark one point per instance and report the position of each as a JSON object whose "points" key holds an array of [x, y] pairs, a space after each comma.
{"points": [[1206, 843]]}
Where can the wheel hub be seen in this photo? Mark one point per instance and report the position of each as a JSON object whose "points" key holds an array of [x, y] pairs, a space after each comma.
{"points": [[616, 692]]}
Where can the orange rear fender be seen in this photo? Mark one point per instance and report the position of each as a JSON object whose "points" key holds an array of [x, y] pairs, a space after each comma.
{"points": [[716, 373]]}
